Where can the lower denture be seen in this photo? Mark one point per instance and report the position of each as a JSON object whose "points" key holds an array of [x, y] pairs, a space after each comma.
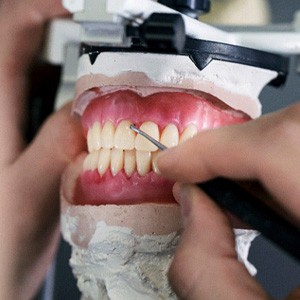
{"points": [[170, 112]]}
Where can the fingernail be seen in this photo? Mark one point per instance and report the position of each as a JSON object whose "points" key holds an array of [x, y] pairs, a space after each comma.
{"points": [[162, 158], [157, 161], [183, 195], [154, 164]]}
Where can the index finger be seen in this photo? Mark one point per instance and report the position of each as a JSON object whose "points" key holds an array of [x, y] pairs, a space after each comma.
{"points": [[266, 149]]}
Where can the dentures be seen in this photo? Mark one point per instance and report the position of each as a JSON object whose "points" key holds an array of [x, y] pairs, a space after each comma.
{"points": [[119, 167], [117, 148]]}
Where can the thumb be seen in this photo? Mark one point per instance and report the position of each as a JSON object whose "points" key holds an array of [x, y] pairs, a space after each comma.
{"points": [[32, 186], [205, 265], [59, 141]]}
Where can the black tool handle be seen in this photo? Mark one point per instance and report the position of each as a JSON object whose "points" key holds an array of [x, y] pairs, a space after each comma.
{"points": [[252, 211]]}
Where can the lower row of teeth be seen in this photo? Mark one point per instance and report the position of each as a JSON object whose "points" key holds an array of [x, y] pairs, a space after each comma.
{"points": [[120, 148]]}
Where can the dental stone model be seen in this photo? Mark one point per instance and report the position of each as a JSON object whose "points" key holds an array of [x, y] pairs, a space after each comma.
{"points": [[118, 215]]}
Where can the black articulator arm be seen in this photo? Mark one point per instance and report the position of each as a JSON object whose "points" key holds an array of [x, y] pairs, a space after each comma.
{"points": [[165, 33]]}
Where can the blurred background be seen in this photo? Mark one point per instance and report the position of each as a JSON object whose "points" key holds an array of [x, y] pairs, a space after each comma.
{"points": [[277, 272]]}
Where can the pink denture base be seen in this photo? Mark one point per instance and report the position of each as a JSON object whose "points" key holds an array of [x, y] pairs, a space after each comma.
{"points": [[179, 108]]}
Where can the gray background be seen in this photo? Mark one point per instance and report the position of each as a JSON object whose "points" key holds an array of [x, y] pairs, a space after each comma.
{"points": [[277, 272]]}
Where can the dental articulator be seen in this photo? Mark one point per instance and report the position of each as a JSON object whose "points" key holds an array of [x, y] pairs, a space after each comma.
{"points": [[170, 26]]}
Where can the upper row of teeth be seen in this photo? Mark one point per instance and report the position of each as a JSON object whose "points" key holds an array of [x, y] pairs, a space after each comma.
{"points": [[122, 137]]}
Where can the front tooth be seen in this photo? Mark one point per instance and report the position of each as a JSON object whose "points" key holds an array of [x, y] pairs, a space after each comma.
{"points": [[129, 162], [188, 133], [143, 162], [117, 161], [170, 136], [124, 136], [91, 161], [107, 135], [141, 143], [104, 160], [154, 168], [97, 136]]}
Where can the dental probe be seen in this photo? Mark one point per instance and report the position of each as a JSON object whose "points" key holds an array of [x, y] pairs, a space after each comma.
{"points": [[159, 145], [247, 208]]}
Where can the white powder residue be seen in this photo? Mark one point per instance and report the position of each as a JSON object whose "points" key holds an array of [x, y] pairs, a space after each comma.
{"points": [[243, 239]]}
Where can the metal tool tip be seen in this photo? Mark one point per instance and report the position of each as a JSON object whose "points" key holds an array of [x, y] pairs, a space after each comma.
{"points": [[132, 127]]}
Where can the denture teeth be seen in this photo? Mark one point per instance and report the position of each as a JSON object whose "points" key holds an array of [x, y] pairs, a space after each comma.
{"points": [[143, 162], [129, 162], [104, 161], [188, 133], [153, 157], [120, 148], [94, 137], [91, 161], [117, 161], [107, 135], [124, 137], [170, 136], [143, 144]]}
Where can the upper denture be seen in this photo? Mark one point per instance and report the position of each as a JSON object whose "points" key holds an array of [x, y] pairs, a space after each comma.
{"points": [[162, 108]]}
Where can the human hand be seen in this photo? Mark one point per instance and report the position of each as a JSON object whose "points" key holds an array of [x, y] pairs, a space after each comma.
{"points": [[267, 149], [30, 174]]}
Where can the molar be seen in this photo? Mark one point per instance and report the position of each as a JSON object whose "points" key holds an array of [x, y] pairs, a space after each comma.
{"points": [[170, 136], [129, 162], [143, 162], [124, 137], [143, 144], [188, 133], [117, 161], [107, 135], [104, 160]]}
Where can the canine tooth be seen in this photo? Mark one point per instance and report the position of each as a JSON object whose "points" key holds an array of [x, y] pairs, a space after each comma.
{"points": [[91, 161], [96, 135], [170, 136], [107, 135], [90, 140], [143, 162], [124, 137], [143, 144], [116, 161], [188, 133], [104, 160], [129, 162]]}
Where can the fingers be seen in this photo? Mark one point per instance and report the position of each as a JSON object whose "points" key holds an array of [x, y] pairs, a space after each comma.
{"points": [[295, 294], [59, 141], [22, 24], [205, 264], [21, 31], [31, 186], [217, 152], [266, 149], [38, 170]]}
